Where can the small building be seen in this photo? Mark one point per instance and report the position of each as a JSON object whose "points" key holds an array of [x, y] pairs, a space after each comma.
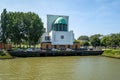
{"points": [[6, 46], [58, 35]]}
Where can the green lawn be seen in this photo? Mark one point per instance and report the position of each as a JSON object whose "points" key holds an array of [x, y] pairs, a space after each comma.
{"points": [[112, 53], [5, 55]]}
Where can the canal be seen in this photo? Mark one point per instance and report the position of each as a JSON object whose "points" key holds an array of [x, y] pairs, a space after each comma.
{"points": [[60, 68]]}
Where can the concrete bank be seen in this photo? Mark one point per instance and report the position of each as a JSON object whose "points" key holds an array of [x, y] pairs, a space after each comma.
{"points": [[53, 53]]}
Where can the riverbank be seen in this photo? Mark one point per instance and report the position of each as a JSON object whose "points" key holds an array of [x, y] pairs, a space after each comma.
{"points": [[111, 53], [5, 55]]}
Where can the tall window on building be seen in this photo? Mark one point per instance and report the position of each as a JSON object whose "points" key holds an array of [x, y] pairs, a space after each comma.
{"points": [[68, 46], [54, 37], [76, 47], [47, 37], [46, 46], [55, 46]]}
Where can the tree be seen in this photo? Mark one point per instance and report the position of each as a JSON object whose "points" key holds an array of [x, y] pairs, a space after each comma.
{"points": [[95, 40], [4, 26], [19, 27], [36, 28], [33, 28], [112, 40], [118, 39], [0, 33], [84, 38], [104, 41], [84, 43]]}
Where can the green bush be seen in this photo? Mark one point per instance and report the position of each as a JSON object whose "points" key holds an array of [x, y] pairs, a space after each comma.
{"points": [[2, 53]]}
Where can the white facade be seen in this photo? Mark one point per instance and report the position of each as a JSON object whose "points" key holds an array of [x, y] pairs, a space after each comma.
{"points": [[62, 38], [60, 35], [43, 37]]}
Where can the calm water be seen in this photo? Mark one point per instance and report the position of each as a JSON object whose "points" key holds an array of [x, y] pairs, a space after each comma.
{"points": [[60, 68]]}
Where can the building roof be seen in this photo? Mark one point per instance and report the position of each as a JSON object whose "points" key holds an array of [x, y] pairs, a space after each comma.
{"points": [[60, 20]]}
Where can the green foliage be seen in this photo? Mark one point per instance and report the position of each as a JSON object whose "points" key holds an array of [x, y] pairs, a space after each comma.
{"points": [[2, 53], [104, 41], [84, 37], [19, 27], [76, 40], [84, 40], [95, 40], [112, 40], [86, 43], [3, 25]]}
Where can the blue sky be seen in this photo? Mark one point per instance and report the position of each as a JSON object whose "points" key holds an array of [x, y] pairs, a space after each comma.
{"points": [[86, 17]]}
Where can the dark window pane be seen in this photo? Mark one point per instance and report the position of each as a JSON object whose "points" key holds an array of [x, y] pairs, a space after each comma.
{"points": [[62, 37]]}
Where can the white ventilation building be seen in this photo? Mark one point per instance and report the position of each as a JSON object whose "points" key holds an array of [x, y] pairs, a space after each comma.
{"points": [[58, 33]]}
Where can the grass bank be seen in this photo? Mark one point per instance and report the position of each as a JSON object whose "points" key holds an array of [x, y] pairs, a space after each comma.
{"points": [[111, 53], [5, 55]]}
